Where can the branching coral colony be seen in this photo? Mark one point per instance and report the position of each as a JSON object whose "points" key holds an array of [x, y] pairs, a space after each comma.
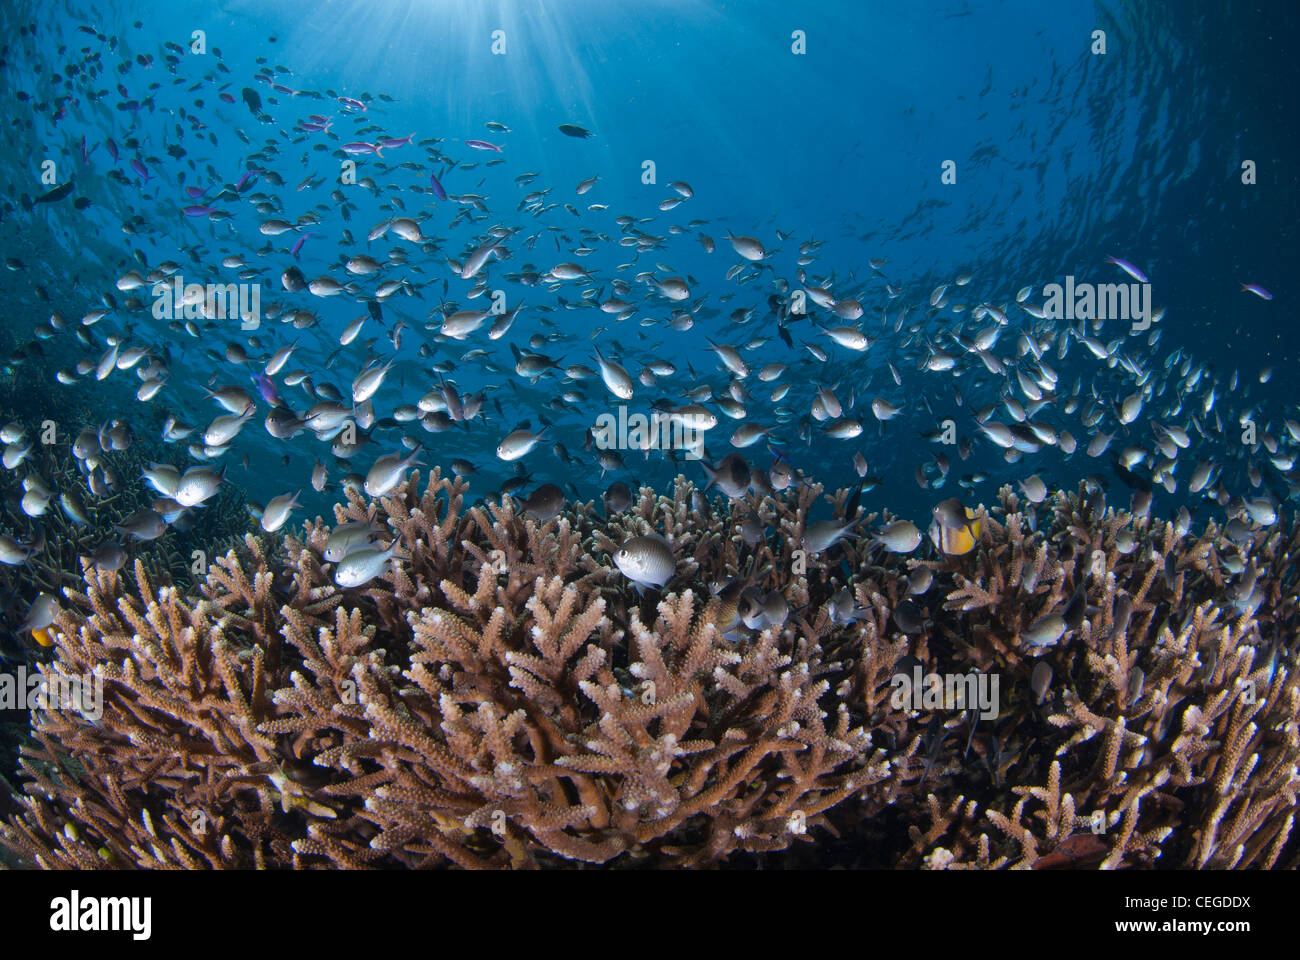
{"points": [[502, 698]]}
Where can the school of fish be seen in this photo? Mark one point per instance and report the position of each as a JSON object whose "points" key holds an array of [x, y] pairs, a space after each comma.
{"points": [[377, 345]]}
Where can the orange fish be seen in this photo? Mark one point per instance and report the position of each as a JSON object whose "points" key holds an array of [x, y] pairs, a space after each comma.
{"points": [[956, 541]]}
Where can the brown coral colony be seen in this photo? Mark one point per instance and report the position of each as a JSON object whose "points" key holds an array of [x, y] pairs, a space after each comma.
{"points": [[501, 693]]}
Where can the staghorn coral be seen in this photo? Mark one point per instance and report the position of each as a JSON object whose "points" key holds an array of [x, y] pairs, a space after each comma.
{"points": [[1174, 738], [64, 542], [503, 699], [61, 543]]}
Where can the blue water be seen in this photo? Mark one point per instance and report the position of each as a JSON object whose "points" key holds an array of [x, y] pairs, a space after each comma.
{"points": [[1063, 158]]}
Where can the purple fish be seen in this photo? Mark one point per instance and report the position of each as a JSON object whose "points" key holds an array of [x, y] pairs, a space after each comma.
{"points": [[266, 387], [196, 211], [140, 168], [482, 145], [358, 148], [391, 144], [194, 192], [301, 240], [247, 180], [438, 192], [1257, 290], [1128, 268], [112, 148]]}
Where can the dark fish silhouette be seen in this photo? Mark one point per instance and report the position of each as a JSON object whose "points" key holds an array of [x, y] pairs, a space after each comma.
{"points": [[52, 196]]}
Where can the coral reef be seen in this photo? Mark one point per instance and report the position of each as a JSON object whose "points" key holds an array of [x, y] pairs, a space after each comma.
{"points": [[62, 541], [502, 697]]}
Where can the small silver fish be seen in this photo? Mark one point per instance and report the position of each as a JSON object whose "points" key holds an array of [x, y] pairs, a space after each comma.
{"points": [[361, 566], [901, 536], [518, 444], [1044, 632], [824, 534], [197, 484], [920, 581], [1034, 489], [108, 556], [143, 525], [277, 512], [647, 561], [12, 552], [1040, 681], [347, 537], [388, 471], [40, 614], [545, 502], [615, 377]]}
